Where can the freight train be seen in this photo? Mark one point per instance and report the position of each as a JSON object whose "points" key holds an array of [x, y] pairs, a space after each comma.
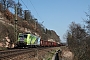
{"points": [[30, 40]]}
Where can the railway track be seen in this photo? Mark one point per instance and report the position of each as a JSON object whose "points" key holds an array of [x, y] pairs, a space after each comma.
{"points": [[9, 54], [14, 52]]}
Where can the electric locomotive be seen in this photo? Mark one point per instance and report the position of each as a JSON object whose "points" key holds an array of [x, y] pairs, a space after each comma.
{"points": [[28, 40]]}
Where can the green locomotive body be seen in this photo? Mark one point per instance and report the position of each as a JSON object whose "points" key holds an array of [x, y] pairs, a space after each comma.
{"points": [[27, 39]]}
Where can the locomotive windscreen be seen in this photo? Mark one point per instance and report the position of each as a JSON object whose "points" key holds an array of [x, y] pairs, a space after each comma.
{"points": [[25, 36], [22, 37]]}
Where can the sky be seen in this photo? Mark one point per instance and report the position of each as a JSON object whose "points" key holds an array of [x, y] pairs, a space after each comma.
{"points": [[57, 14]]}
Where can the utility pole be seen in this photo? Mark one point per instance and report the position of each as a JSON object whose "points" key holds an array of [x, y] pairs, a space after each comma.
{"points": [[35, 23], [4, 4], [4, 7], [16, 22], [36, 47]]}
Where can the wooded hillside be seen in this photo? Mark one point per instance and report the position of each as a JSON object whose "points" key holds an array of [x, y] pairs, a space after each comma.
{"points": [[25, 23]]}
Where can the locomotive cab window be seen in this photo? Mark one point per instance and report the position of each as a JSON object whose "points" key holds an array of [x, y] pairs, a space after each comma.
{"points": [[25, 36]]}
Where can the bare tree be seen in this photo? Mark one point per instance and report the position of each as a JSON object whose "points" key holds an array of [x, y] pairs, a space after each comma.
{"points": [[10, 4], [3, 2], [27, 15], [7, 3], [88, 20], [76, 38], [19, 9]]}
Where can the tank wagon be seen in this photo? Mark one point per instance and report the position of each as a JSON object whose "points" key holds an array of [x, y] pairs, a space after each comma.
{"points": [[30, 40]]}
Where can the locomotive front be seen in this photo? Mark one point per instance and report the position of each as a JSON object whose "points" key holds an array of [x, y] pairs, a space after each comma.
{"points": [[22, 40]]}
